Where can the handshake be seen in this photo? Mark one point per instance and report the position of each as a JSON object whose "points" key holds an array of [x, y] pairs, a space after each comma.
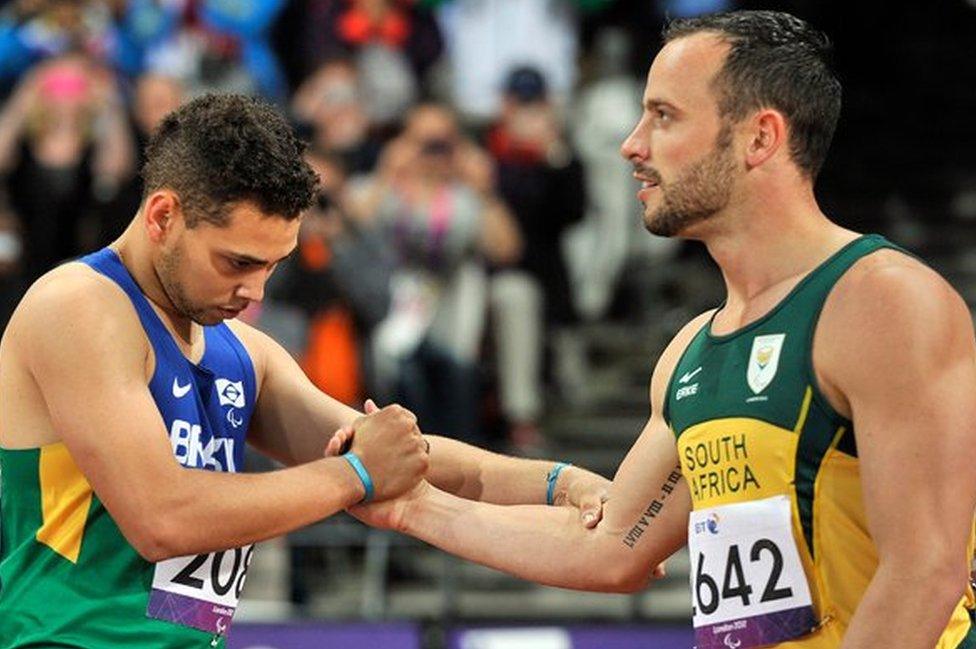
{"points": [[390, 456], [387, 450]]}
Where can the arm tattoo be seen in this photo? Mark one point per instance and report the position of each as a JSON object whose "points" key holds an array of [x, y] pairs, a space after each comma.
{"points": [[653, 509]]}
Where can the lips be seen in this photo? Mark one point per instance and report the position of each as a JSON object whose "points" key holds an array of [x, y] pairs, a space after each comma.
{"points": [[648, 187], [649, 182], [231, 313]]}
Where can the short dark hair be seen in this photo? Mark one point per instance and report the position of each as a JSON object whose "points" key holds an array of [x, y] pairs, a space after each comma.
{"points": [[778, 61], [218, 150]]}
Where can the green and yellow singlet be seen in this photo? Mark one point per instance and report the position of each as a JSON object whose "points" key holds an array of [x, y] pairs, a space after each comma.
{"points": [[68, 575], [780, 550]]}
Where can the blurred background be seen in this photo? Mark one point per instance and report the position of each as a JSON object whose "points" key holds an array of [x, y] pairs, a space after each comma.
{"points": [[475, 252]]}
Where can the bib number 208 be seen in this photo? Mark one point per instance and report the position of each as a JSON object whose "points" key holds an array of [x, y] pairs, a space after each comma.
{"points": [[192, 577], [734, 583]]}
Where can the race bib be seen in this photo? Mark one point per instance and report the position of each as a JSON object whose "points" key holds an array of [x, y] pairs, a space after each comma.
{"points": [[201, 591], [747, 580]]}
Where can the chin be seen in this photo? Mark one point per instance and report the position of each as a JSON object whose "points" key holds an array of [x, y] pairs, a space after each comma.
{"points": [[207, 318], [658, 227]]}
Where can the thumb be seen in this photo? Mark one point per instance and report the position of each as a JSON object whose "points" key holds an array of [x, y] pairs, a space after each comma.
{"points": [[591, 510], [338, 441], [370, 407]]}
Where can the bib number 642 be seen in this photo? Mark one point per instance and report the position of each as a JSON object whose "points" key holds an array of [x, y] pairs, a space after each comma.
{"points": [[734, 582]]}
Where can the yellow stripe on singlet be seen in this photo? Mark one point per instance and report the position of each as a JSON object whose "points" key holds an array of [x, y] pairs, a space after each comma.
{"points": [[804, 410], [65, 500]]}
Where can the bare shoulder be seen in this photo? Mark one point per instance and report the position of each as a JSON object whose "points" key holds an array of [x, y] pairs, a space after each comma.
{"points": [[890, 318], [893, 296], [74, 306], [669, 358]]}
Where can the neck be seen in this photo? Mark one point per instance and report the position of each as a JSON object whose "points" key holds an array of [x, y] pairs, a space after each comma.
{"points": [[136, 254], [765, 243]]}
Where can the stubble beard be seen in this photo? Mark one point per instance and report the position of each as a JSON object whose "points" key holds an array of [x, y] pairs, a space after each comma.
{"points": [[699, 193], [168, 273]]}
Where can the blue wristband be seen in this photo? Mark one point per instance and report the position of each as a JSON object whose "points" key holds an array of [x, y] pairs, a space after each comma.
{"points": [[551, 480], [357, 466]]}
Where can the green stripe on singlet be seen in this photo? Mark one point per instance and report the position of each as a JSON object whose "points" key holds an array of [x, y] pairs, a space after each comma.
{"points": [[817, 436]]}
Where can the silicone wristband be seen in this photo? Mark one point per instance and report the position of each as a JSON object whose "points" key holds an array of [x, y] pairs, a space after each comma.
{"points": [[551, 479], [357, 466]]}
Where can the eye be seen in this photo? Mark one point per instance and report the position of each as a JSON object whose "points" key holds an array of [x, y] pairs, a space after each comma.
{"points": [[662, 115], [239, 264]]}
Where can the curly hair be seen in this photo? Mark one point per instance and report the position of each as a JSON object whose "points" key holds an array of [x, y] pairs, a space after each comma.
{"points": [[218, 150], [779, 61]]}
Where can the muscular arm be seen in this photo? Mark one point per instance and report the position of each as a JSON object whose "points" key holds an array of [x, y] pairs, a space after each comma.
{"points": [[476, 474], [645, 520], [897, 343], [293, 421], [549, 546], [91, 371]]}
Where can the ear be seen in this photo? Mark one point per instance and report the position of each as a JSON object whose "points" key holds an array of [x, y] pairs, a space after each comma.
{"points": [[768, 134], [160, 212]]}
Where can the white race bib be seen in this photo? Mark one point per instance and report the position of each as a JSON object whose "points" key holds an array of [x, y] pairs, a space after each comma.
{"points": [[747, 581], [201, 591]]}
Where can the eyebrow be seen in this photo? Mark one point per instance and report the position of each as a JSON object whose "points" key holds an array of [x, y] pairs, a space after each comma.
{"points": [[248, 259], [654, 102]]}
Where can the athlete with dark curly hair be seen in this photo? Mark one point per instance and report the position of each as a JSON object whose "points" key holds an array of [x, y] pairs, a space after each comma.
{"points": [[119, 374]]}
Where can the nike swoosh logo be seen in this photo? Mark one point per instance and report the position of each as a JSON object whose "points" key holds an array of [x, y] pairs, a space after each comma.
{"points": [[689, 375], [180, 391]]}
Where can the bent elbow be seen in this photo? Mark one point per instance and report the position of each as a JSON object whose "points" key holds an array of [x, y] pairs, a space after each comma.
{"points": [[634, 580], [951, 579], [623, 577], [942, 573], [153, 541]]}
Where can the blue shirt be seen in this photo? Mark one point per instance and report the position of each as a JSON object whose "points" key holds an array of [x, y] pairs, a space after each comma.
{"points": [[207, 407]]}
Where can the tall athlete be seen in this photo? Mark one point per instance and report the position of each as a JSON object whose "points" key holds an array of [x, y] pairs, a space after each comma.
{"points": [[810, 439], [125, 401]]}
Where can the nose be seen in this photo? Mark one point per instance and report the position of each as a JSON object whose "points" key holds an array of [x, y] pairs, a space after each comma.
{"points": [[252, 290], [636, 146]]}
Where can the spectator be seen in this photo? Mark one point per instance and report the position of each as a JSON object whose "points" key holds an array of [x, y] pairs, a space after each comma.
{"points": [[340, 281], [340, 28], [155, 96], [64, 140], [486, 38], [34, 30], [541, 179], [433, 201], [210, 45], [392, 42], [329, 104], [611, 236]]}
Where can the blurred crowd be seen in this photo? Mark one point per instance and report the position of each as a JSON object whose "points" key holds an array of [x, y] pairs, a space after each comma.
{"points": [[473, 207]]}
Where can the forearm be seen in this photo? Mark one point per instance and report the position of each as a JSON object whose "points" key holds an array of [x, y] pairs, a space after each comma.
{"points": [[906, 608], [115, 150], [213, 511], [541, 544], [476, 474], [12, 120]]}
